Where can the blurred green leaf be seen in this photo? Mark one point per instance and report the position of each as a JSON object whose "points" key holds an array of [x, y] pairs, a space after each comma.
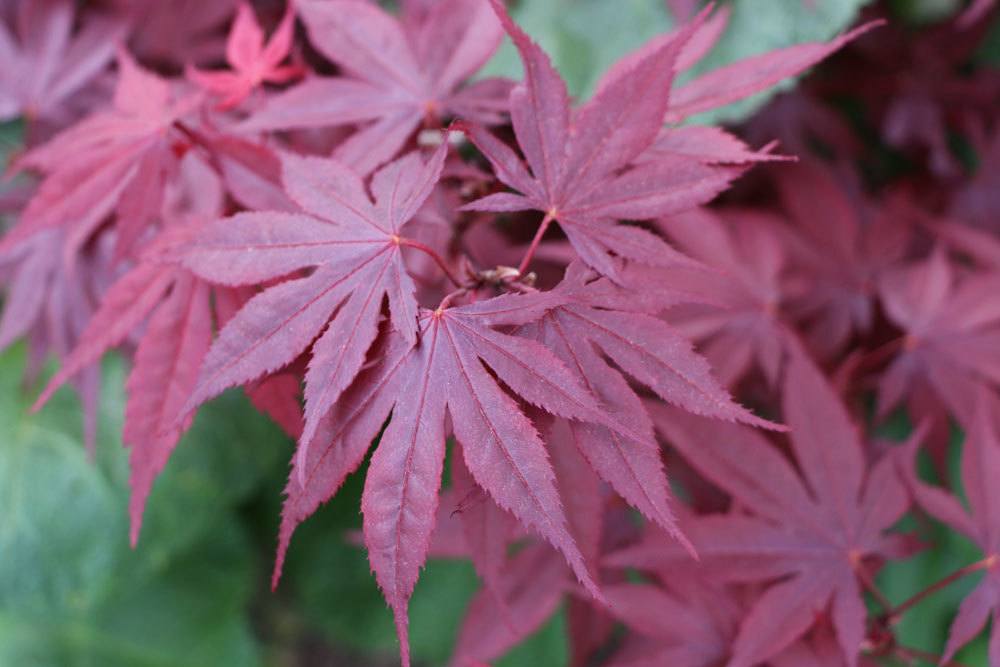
{"points": [[71, 591], [10, 138], [332, 579], [545, 647], [584, 37]]}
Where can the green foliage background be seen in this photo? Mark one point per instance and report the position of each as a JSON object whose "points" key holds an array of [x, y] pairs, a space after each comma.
{"points": [[195, 591]]}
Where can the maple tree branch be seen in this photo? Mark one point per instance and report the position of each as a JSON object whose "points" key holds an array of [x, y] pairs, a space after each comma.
{"points": [[542, 228], [430, 252], [893, 614]]}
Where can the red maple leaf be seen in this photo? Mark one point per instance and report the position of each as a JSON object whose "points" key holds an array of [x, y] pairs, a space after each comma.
{"points": [[524, 590], [578, 160], [176, 307], [115, 161], [951, 344], [583, 166], [598, 321], [735, 314], [43, 63], [355, 246], [397, 73], [840, 244], [253, 61], [444, 372], [809, 534], [687, 622]]}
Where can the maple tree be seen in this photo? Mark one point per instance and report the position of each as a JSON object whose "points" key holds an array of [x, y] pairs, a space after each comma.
{"points": [[513, 311]]}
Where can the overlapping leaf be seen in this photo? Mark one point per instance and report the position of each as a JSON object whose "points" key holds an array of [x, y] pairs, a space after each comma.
{"points": [[952, 329], [418, 384], [43, 63], [114, 162], [177, 310], [396, 74], [253, 61], [582, 169], [810, 533], [738, 318], [356, 249], [600, 321]]}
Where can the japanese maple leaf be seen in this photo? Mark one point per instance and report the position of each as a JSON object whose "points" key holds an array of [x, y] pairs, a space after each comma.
{"points": [[581, 165], [951, 326], [50, 303], [578, 160], [176, 307], [43, 63], [808, 534], [446, 372], [251, 172], [840, 244], [355, 246], [687, 623], [397, 73], [470, 525], [252, 61], [114, 161], [523, 591], [737, 321], [977, 519], [600, 321], [278, 395], [534, 586]]}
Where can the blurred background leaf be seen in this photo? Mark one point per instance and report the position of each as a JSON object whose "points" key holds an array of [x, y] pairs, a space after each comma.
{"points": [[71, 590], [584, 37]]}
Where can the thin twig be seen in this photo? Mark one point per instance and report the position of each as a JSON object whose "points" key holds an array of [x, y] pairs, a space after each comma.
{"points": [[542, 228], [894, 614], [430, 252]]}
